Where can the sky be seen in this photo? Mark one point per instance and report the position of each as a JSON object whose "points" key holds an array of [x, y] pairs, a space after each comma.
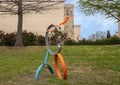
{"points": [[91, 24]]}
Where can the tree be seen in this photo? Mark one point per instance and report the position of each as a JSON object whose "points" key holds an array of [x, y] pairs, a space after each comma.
{"points": [[2, 33], [20, 7], [98, 36], [108, 34], [110, 8], [92, 37]]}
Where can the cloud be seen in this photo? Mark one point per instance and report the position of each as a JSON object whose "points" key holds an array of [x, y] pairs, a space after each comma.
{"points": [[91, 24], [108, 24]]}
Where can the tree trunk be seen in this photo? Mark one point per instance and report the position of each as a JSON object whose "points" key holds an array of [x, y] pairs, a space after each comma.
{"points": [[19, 28]]}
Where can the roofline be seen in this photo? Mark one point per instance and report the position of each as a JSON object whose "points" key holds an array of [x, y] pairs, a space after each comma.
{"points": [[76, 25]]}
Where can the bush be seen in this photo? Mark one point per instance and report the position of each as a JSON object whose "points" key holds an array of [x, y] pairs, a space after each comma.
{"points": [[2, 33], [111, 41], [70, 42], [28, 38], [41, 40], [114, 40], [0, 42], [9, 39]]}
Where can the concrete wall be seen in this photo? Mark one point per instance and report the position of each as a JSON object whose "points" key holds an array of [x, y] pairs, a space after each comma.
{"points": [[118, 33], [119, 28], [8, 23], [76, 32], [34, 22]]}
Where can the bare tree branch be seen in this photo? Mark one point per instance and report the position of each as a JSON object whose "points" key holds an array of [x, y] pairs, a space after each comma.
{"points": [[21, 7], [27, 7]]}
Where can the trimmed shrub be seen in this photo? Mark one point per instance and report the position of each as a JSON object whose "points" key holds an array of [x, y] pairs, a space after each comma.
{"points": [[0, 42], [111, 41], [41, 40], [9, 39], [28, 38], [2, 33], [70, 42]]}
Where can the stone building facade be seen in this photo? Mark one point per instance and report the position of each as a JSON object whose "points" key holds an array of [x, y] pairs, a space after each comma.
{"points": [[119, 28], [76, 32], [69, 26], [118, 33], [34, 22], [38, 22]]}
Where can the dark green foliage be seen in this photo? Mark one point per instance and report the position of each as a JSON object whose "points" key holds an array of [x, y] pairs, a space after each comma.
{"points": [[70, 42], [9, 39], [41, 40], [2, 33], [29, 39], [109, 8], [114, 40], [111, 41]]}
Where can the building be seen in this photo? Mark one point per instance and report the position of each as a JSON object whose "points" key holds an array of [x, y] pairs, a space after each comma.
{"points": [[118, 33], [77, 32], [119, 28], [38, 22]]}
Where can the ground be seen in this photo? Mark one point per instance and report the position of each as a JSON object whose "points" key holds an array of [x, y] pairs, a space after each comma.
{"points": [[86, 65]]}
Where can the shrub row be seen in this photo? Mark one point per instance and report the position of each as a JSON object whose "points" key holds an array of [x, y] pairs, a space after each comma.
{"points": [[29, 39], [111, 41]]}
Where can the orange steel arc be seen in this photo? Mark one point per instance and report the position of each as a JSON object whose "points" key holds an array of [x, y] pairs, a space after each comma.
{"points": [[58, 55], [66, 18]]}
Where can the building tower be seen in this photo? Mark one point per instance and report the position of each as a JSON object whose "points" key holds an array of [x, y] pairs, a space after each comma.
{"points": [[77, 33], [119, 28], [69, 26]]}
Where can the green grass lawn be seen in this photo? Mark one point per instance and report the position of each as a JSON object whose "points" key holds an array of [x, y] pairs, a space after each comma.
{"points": [[86, 65]]}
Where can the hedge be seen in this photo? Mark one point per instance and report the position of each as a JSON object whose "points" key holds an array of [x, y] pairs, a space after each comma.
{"points": [[29, 39], [111, 41]]}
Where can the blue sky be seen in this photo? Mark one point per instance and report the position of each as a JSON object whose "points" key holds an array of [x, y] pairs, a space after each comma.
{"points": [[91, 24]]}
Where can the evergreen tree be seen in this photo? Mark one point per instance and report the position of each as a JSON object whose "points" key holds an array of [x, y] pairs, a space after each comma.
{"points": [[108, 34]]}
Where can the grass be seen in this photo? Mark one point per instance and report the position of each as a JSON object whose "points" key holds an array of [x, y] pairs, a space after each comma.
{"points": [[86, 65]]}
